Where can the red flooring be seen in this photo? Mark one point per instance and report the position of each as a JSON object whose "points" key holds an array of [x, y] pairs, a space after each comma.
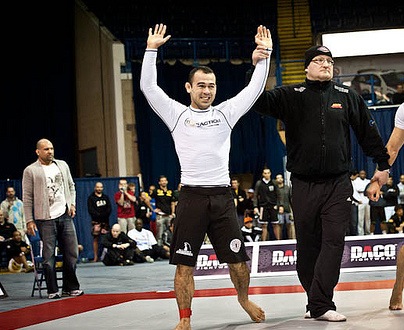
{"points": [[65, 307]]}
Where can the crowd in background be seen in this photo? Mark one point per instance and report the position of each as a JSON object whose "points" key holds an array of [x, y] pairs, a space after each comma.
{"points": [[264, 210]]}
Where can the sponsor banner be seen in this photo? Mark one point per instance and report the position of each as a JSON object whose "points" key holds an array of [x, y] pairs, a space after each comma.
{"points": [[279, 257]]}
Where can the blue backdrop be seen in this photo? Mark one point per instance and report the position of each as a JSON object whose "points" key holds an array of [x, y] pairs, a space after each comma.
{"points": [[84, 187]]}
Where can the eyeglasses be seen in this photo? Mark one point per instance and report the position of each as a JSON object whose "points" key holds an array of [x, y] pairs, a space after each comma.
{"points": [[321, 61]]}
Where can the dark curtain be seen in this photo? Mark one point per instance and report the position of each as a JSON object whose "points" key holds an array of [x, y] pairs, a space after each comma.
{"points": [[255, 141], [38, 85]]}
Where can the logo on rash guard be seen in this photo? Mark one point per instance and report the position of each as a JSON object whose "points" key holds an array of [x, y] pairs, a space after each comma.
{"points": [[208, 123]]}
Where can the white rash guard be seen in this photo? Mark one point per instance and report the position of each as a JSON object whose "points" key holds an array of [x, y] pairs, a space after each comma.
{"points": [[399, 117], [201, 137]]}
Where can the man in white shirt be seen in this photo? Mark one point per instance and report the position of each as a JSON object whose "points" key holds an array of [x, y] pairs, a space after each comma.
{"points": [[359, 186], [147, 243]]}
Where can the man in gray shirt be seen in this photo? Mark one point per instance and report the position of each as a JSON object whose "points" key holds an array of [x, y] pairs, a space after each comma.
{"points": [[49, 197]]}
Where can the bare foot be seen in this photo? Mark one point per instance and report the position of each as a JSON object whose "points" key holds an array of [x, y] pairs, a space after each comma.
{"points": [[184, 324], [256, 313], [396, 300]]}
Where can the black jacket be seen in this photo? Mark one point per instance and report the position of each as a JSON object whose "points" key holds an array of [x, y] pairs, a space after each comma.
{"points": [[317, 118], [99, 208]]}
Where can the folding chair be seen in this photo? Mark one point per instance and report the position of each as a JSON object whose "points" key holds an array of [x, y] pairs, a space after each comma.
{"points": [[39, 274]]}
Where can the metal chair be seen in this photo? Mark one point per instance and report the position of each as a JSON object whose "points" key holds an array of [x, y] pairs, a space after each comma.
{"points": [[39, 274]]}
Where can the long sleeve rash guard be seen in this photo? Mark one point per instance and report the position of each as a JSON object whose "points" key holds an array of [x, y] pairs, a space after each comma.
{"points": [[201, 137]]}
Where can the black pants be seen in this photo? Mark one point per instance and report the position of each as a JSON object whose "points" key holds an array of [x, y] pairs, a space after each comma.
{"points": [[114, 256], [322, 212]]}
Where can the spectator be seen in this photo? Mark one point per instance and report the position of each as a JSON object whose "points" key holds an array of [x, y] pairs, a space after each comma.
{"points": [[285, 219], [353, 224], [147, 243], [398, 96], [6, 232], [377, 214], [168, 235], [99, 207], [250, 232], [176, 194], [285, 216], [390, 193], [13, 210], [125, 200], [49, 197], [400, 187], [396, 222], [18, 253], [165, 207], [249, 203], [240, 197], [119, 249], [265, 203], [153, 225], [359, 185], [144, 209], [201, 134]]}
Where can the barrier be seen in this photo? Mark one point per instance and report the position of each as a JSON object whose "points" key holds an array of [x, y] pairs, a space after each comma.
{"points": [[273, 258]]}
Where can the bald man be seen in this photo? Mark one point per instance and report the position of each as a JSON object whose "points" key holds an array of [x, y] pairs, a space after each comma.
{"points": [[49, 197]]}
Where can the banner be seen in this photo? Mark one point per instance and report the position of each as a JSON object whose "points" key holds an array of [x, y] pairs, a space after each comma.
{"points": [[361, 253]]}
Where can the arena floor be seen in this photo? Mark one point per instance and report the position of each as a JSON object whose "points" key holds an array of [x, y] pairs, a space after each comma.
{"points": [[141, 297]]}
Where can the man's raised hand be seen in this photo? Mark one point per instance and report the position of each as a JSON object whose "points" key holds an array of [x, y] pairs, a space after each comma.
{"points": [[156, 38]]}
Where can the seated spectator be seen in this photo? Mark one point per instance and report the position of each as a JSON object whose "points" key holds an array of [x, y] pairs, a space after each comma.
{"points": [[396, 222], [250, 232], [119, 249], [18, 253], [6, 232], [146, 242]]}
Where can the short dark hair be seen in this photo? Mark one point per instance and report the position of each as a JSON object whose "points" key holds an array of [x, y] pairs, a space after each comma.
{"points": [[204, 69], [397, 207]]}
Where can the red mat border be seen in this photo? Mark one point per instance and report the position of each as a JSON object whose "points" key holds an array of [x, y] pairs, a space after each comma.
{"points": [[52, 310]]}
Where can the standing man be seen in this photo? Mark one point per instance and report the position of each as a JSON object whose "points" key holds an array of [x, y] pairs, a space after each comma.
{"points": [[240, 198], [318, 115], [125, 199], [165, 207], [285, 200], [13, 210], [49, 197], [359, 186], [265, 204], [99, 207], [201, 134]]}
